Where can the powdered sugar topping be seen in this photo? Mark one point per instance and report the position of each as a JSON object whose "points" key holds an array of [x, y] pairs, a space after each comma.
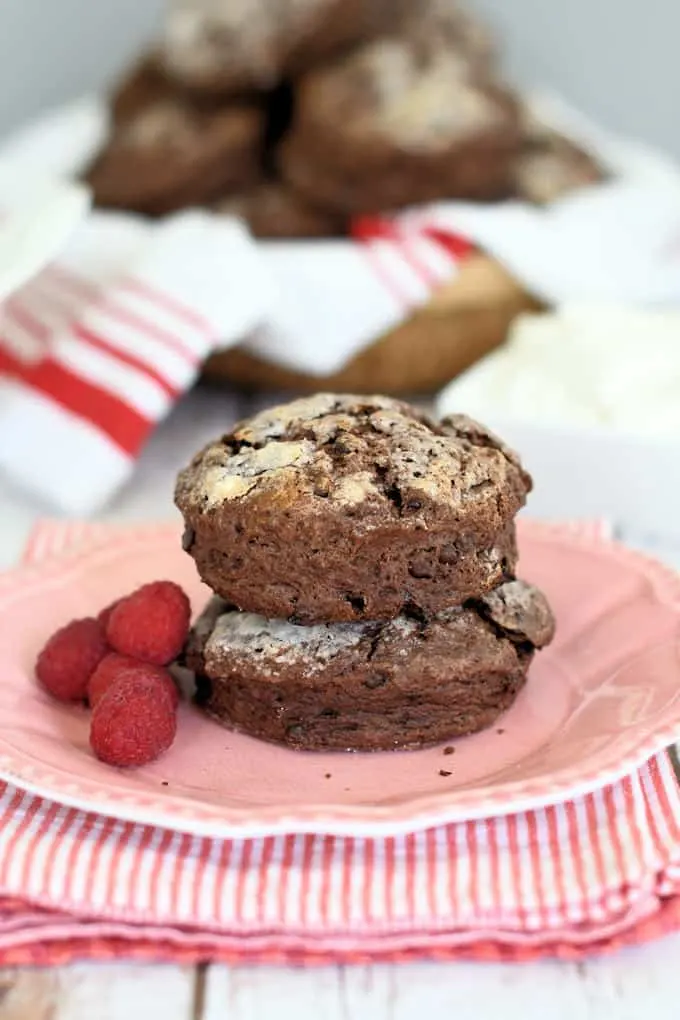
{"points": [[235, 476], [247, 634], [203, 36], [427, 104]]}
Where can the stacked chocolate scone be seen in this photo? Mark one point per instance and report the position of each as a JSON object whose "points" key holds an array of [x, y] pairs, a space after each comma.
{"points": [[300, 114], [363, 562]]}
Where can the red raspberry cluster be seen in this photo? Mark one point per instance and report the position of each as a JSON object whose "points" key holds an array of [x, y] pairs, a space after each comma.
{"points": [[116, 663]]}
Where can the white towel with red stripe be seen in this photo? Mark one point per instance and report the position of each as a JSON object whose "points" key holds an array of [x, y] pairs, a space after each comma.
{"points": [[595, 873], [96, 349]]}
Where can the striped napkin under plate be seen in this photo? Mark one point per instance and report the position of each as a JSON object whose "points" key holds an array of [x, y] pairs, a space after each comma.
{"points": [[591, 875]]}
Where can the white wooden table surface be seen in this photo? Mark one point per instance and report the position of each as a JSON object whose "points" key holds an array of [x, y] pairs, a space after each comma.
{"points": [[630, 985]]}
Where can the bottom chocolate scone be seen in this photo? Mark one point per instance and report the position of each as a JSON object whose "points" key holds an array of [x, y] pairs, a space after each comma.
{"points": [[405, 683]]}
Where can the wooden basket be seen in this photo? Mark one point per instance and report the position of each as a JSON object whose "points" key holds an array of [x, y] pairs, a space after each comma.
{"points": [[464, 321]]}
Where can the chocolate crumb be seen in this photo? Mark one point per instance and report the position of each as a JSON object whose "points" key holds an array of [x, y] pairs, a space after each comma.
{"points": [[328, 775], [443, 772], [448, 750], [165, 783]]}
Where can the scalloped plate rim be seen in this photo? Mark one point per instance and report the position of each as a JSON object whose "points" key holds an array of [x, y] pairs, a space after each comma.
{"points": [[181, 814], [333, 823]]}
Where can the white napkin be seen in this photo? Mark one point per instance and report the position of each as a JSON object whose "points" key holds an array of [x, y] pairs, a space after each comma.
{"points": [[98, 347], [37, 216]]}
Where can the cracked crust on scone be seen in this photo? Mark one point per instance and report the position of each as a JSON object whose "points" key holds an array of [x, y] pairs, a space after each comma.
{"points": [[343, 508], [230, 47], [367, 686], [399, 122]]}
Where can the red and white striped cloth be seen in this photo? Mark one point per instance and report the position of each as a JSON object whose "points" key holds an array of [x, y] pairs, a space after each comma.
{"points": [[593, 874], [98, 347]]}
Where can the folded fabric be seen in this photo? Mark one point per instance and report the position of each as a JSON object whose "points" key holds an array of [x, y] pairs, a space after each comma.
{"points": [[38, 215], [593, 874], [99, 346]]}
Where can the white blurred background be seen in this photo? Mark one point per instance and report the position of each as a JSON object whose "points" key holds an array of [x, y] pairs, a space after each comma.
{"points": [[616, 59]]}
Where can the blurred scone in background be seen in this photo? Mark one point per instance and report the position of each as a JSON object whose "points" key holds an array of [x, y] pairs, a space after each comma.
{"points": [[51, 52]]}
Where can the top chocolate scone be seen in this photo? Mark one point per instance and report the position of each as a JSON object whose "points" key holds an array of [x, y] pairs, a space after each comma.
{"points": [[336, 508]]}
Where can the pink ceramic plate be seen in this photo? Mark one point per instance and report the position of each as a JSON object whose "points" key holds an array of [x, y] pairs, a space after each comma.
{"points": [[600, 701]]}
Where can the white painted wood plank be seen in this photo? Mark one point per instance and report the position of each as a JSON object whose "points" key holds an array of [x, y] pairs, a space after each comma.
{"points": [[637, 983], [627, 986], [232, 993], [98, 992]]}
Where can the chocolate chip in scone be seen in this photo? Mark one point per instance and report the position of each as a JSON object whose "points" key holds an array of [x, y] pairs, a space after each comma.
{"points": [[448, 555], [375, 680], [421, 566], [357, 602]]}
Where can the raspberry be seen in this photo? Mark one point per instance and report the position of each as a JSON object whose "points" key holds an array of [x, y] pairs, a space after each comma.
{"points": [[151, 624], [135, 721], [105, 614], [70, 657], [114, 666]]}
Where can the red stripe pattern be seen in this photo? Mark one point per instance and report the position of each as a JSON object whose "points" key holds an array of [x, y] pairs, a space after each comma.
{"points": [[411, 255], [93, 353], [594, 874], [98, 356], [501, 883]]}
